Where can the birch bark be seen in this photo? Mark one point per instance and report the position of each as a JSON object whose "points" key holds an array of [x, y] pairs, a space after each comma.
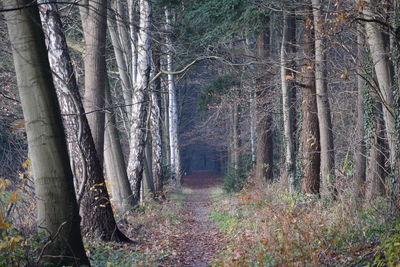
{"points": [[172, 106], [140, 97], [98, 219], [57, 209]]}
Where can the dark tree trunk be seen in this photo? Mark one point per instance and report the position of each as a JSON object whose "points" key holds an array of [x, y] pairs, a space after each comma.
{"points": [[309, 129], [264, 158]]}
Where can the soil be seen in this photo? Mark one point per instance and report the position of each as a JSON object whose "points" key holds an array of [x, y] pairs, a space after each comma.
{"points": [[198, 241]]}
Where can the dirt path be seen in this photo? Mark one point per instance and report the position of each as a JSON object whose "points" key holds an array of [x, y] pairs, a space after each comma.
{"points": [[198, 241]]}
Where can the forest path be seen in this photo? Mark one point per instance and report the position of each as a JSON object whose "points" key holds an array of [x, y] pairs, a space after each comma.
{"points": [[198, 242]]}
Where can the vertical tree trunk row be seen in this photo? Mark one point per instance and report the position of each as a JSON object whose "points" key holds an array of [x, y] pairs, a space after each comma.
{"points": [[57, 209]]}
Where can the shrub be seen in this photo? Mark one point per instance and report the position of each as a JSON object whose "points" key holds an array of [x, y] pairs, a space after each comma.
{"points": [[235, 178]]}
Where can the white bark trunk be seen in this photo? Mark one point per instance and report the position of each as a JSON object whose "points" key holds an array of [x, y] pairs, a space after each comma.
{"points": [[172, 107], [155, 129], [140, 97]]}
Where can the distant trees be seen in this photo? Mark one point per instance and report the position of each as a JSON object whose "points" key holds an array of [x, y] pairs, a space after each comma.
{"points": [[280, 93]]}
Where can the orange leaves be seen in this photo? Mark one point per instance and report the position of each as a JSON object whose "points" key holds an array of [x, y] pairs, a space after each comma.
{"points": [[18, 125], [14, 197]]}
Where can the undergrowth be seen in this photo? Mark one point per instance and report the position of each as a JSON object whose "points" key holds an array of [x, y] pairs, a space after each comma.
{"points": [[266, 227], [21, 244]]}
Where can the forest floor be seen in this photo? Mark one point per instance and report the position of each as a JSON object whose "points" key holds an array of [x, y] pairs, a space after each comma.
{"points": [[198, 241], [177, 231], [200, 224]]}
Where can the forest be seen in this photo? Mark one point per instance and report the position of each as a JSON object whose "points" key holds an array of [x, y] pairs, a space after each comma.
{"points": [[199, 133]]}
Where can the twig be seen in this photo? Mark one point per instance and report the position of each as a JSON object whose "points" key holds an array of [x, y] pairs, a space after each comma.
{"points": [[49, 242]]}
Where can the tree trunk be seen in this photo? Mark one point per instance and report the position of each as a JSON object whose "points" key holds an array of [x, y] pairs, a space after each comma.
{"points": [[115, 163], [235, 135], [360, 150], [324, 111], [165, 125], [309, 129], [376, 169], [264, 159], [140, 97], [382, 69], [133, 31], [121, 49], [173, 111], [155, 128], [57, 210], [98, 219], [287, 78], [94, 23], [253, 107]]}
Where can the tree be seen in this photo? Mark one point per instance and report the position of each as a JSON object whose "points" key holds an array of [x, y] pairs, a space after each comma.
{"points": [[56, 203], [264, 160], [360, 153], [94, 21], [98, 220], [172, 105], [309, 127], [382, 65], [287, 82], [155, 128], [115, 162], [140, 97], [324, 111]]}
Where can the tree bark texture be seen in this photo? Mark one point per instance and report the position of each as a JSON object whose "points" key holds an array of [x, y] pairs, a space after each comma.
{"points": [[376, 165], [172, 105], [115, 162], [287, 81], [324, 111], [264, 157], [140, 97], [309, 128], [235, 135], [98, 220], [94, 21], [121, 45], [57, 209], [360, 150], [155, 129], [381, 63]]}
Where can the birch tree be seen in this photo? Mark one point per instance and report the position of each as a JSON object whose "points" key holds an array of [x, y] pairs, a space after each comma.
{"points": [[140, 97], [155, 129], [172, 105], [57, 209], [98, 220]]}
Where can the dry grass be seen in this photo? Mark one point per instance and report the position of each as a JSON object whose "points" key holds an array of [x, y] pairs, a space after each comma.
{"points": [[268, 226]]}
